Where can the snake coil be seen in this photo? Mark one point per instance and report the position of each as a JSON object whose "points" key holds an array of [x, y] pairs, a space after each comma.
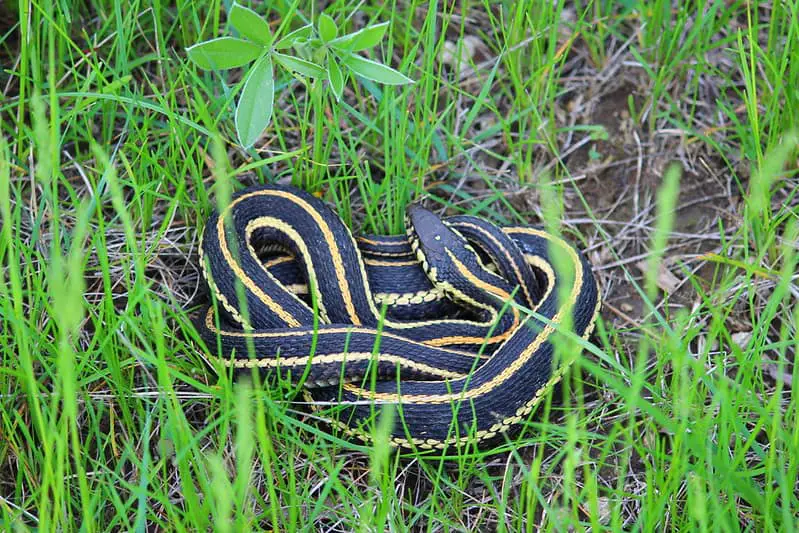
{"points": [[313, 312]]}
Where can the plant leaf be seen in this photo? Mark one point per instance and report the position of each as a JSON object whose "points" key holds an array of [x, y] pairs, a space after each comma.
{"points": [[335, 77], [254, 110], [250, 24], [372, 70], [224, 53], [327, 28], [291, 38], [306, 68], [362, 39]]}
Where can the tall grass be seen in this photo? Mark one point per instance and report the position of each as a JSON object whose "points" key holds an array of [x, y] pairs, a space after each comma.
{"points": [[114, 149]]}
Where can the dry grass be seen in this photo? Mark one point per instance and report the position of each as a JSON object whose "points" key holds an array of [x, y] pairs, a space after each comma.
{"points": [[598, 105]]}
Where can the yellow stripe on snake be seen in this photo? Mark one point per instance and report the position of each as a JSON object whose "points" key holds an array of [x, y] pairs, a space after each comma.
{"points": [[313, 312]]}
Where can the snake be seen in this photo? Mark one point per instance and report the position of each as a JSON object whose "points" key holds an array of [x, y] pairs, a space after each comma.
{"points": [[353, 320]]}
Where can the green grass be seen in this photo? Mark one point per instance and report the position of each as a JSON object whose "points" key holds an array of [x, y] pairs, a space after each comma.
{"points": [[680, 415]]}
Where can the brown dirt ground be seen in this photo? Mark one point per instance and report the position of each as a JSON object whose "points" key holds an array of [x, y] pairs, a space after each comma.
{"points": [[618, 177]]}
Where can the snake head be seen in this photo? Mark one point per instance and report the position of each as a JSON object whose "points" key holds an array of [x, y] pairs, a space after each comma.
{"points": [[435, 243], [453, 265]]}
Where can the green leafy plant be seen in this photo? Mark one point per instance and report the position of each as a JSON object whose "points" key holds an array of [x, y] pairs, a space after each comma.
{"points": [[319, 53]]}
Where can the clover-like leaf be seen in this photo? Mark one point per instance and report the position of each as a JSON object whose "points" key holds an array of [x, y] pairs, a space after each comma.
{"points": [[306, 68], [335, 77], [327, 28], [372, 70], [300, 34], [362, 39], [254, 110], [224, 53], [250, 24]]}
